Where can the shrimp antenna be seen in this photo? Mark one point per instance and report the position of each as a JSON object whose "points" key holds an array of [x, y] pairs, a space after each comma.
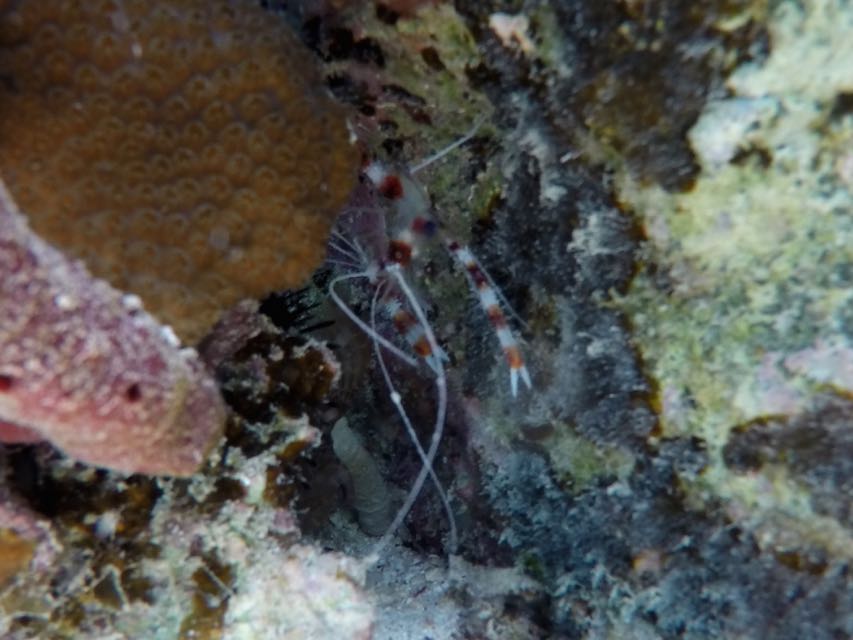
{"points": [[361, 324], [428, 456], [438, 155]]}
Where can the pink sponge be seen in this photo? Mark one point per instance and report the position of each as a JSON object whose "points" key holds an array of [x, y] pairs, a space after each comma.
{"points": [[86, 368]]}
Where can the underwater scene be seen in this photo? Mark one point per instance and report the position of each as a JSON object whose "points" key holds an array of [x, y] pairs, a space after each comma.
{"points": [[426, 320]]}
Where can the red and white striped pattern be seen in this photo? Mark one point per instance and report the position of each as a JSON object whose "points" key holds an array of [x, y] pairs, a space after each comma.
{"points": [[489, 301], [413, 224]]}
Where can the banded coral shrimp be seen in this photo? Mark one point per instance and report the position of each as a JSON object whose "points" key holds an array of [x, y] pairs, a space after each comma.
{"points": [[380, 246]]}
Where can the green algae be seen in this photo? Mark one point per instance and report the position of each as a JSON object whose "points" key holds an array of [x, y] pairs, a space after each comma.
{"points": [[581, 463], [739, 312], [428, 106]]}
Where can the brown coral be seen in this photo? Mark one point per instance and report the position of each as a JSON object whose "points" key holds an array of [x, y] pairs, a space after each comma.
{"points": [[185, 150]]}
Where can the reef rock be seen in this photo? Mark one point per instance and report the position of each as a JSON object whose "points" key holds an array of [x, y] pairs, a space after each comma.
{"points": [[85, 367]]}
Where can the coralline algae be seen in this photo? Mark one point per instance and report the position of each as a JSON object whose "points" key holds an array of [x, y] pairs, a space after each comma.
{"points": [[95, 375]]}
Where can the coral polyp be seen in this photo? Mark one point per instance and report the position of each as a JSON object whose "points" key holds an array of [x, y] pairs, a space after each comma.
{"points": [[187, 151]]}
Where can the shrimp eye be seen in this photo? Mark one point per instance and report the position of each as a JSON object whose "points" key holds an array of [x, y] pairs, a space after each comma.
{"points": [[399, 252], [391, 187]]}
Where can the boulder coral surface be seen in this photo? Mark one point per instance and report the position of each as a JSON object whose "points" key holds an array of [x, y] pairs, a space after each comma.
{"points": [[187, 151]]}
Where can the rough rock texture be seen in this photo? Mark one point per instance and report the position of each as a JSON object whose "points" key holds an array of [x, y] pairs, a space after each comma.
{"points": [[187, 151], [663, 194], [162, 559], [743, 308], [26, 540], [83, 366], [660, 192]]}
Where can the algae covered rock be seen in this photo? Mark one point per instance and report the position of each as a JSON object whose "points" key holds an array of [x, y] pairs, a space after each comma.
{"points": [[661, 192]]}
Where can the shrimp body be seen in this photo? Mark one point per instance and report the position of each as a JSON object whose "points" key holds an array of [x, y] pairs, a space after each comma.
{"points": [[413, 225], [379, 244]]}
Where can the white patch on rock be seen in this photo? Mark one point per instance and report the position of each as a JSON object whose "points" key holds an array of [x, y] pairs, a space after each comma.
{"points": [[725, 126], [512, 30]]}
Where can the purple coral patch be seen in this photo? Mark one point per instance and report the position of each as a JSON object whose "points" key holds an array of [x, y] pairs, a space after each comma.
{"points": [[85, 368]]}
